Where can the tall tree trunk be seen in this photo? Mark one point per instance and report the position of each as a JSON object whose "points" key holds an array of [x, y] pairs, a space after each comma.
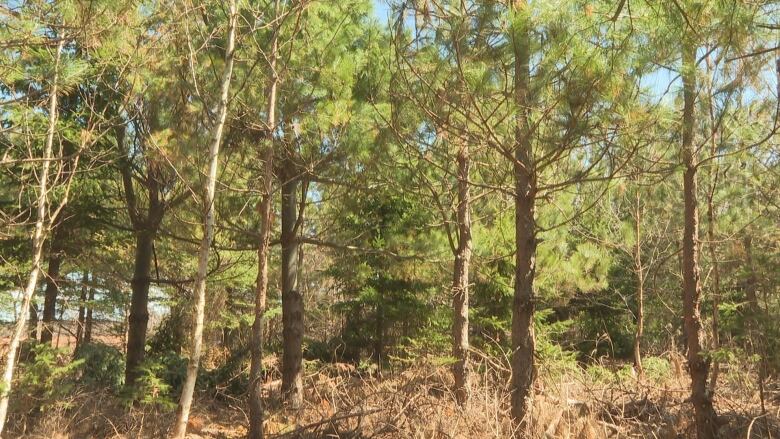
{"points": [[379, 333], [138, 319], [38, 239], [292, 301], [188, 388], [714, 175], [698, 365], [640, 288], [88, 319], [82, 310], [33, 323], [752, 279], [523, 338], [460, 281], [261, 290], [52, 290], [757, 343]]}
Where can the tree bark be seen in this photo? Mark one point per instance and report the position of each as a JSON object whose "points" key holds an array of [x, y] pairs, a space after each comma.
{"points": [[460, 281], [38, 239], [138, 319], [82, 310], [698, 365], [292, 301], [51, 292], [33, 322], [88, 318], [523, 338], [640, 289], [714, 174], [52, 289], [754, 317], [188, 388], [256, 409]]}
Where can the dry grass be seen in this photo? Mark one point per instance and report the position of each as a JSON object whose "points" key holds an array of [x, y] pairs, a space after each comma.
{"points": [[417, 403]]}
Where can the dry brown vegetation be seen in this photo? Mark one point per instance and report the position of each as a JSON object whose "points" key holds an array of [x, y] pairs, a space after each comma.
{"points": [[341, 402]]}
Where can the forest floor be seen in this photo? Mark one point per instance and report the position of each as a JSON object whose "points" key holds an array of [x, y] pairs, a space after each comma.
{"points": [[417, 403]]}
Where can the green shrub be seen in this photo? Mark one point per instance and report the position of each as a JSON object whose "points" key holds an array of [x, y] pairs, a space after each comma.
{"points": [[599, 374], [554, 360], [104, 366], [656, 368], [50, 375], [151, 388]]}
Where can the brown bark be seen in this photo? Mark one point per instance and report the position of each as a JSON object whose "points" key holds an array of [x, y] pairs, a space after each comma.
{"points": [[82, 310], [714, 174], [640, 289], [460, 282], [523, 338], [145, 226], [379, 335], [261, 293], [256, 409], [757, 343], [138, 319], [88, 319], [698, 365], [52, 289], [33, 322], [292, 301], [752, 279], [209, 195]]}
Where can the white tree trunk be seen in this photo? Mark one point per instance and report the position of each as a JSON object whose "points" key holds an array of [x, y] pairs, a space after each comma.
{"points": [[38, 238], [185, 401]]}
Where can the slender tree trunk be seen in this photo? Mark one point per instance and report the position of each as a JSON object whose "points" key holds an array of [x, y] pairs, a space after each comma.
{"points": [[138, 319], [88, 318], [753, 319], [51, 292], [379, 333], [698, 365], [715, 286], [256, 408], [33, 324], [523, 338], [714, 174], [292, 301], [188, 388], [82, 310], [640, 288], [460, 282], [752, 279], [38, 239]]}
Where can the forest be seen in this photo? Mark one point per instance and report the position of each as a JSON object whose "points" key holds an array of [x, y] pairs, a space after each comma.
{"points": [[390, 219]]}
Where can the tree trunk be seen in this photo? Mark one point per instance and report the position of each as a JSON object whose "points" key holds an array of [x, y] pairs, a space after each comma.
{"points": [[640, 288], [523, 339], [38, 239], [757, 343], [88, 318], [714, 174], [82, 310], [379, 333], [261, 292], [698, 365], [188, 388], [752, 279], [33, 323], [292, 301], [460, 282], [138, 319], [52, 290]]}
